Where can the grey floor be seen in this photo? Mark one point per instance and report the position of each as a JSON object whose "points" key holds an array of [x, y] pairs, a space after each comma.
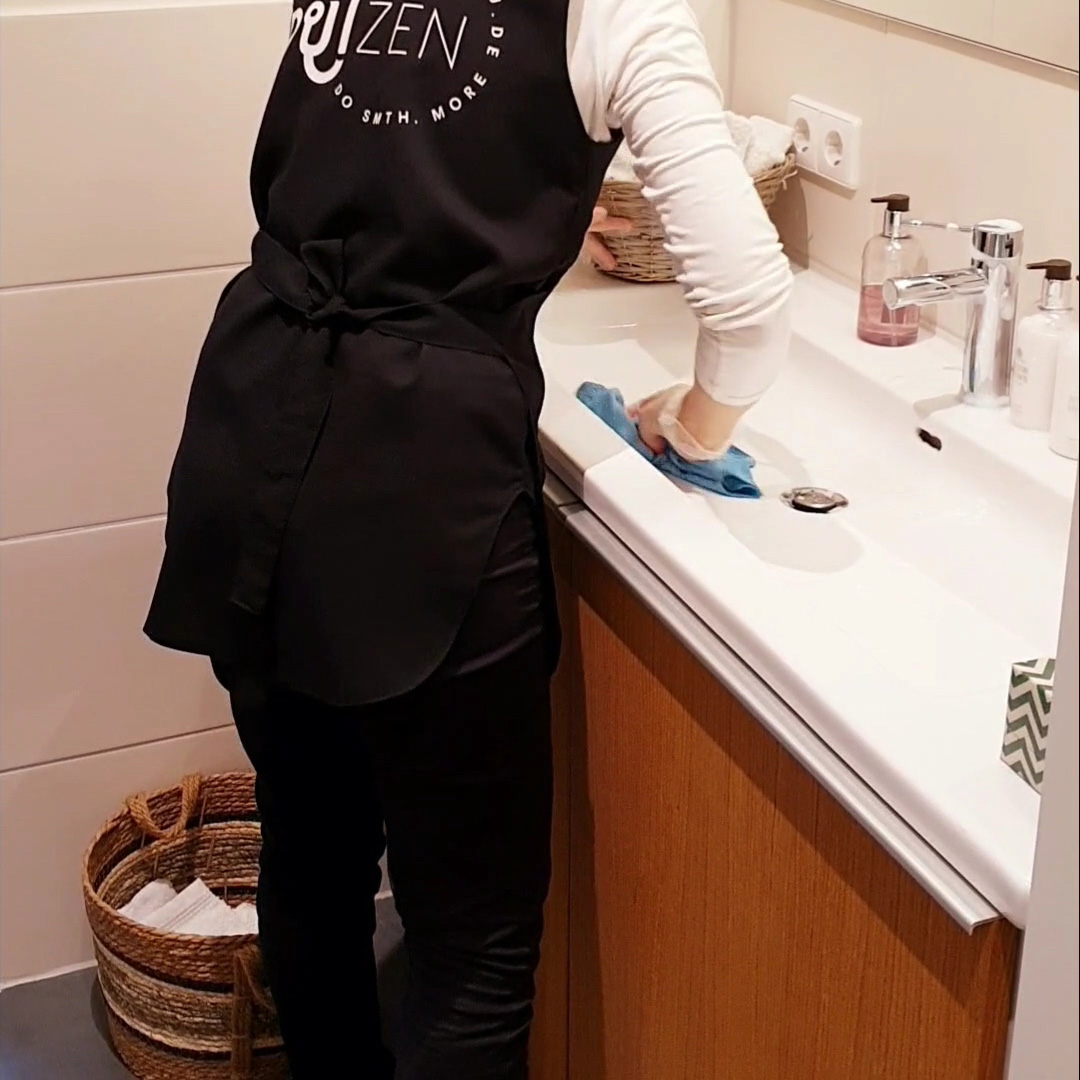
{"points": [[55, 1029]]}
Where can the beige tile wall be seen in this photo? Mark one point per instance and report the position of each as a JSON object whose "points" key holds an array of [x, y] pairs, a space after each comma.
{"points": [[714, 17], [143, 170], [969, 133], [966, 18], [79, 678], [1043, 28], [92, 390], [51, 812], [126, 137]]}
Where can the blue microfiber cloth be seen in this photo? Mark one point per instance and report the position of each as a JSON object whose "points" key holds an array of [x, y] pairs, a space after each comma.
{"points": [[730, 475]]}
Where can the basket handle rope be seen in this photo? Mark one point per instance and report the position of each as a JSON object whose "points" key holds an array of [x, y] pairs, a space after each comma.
{"points": [[249, 992], [139, 809]]}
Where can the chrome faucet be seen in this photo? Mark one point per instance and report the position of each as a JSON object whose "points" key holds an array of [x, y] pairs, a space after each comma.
{"points": [[989, 284]]}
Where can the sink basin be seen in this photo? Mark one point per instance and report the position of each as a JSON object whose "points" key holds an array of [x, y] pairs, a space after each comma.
{"points": [[891, 624]]}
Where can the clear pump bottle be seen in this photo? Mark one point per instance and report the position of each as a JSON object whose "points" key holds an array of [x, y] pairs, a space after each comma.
{"points": [[894, 252]]}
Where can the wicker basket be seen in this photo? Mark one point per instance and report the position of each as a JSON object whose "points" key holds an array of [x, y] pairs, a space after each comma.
{"points": [[180, 1006], [640, 254]]}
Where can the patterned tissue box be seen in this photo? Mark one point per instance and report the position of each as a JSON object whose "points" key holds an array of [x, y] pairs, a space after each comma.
{"points": [[1031, 690]]}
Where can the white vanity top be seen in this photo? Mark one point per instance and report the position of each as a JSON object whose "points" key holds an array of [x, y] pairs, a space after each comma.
{"points": [[889, 626]]}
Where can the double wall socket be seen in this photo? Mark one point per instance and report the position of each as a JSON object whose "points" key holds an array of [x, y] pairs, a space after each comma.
{"points": [[827, 141]]}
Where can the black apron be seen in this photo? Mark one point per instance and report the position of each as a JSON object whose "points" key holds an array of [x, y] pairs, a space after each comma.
{"points": [[364, 411]]}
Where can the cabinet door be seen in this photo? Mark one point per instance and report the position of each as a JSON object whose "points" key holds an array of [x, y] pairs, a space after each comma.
{"points": [[728, 920]]}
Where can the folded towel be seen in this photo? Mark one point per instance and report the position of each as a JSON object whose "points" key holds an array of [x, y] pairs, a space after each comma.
{"points": [[621, 169], [761, 143], [730, 475], [742, 133], [183, 909], [195, 910], [148, 900], [769, 145], [245, 919], [220, 920]]}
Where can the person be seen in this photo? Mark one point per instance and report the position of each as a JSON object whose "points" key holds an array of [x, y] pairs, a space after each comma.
{"points": [[355, 533]]}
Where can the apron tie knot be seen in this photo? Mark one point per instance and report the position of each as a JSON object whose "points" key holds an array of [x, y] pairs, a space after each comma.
{"points": [[324, 261]]}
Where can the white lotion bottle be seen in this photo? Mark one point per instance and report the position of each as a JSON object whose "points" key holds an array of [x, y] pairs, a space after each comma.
{"points": [[1065, 417], [1038, 342]]}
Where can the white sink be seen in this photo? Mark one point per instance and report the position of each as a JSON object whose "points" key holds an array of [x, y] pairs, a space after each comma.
{"points": [[889, 625]]}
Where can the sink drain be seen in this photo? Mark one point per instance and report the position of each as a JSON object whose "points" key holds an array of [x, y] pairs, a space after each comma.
{"points": [[814, 500]]}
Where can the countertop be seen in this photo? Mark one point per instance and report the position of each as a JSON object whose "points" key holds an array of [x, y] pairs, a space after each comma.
{"points": [[889, 627]]}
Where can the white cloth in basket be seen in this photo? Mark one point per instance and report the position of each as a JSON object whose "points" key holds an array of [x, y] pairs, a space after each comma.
{"points": [[769, 144], [195, 910], [147, 900]]}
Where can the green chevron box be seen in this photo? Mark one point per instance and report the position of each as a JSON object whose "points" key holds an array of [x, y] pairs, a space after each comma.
{"points": [[1031, 690]]}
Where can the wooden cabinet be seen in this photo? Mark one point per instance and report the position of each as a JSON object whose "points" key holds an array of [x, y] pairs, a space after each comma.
{"points": [[715, 914]]}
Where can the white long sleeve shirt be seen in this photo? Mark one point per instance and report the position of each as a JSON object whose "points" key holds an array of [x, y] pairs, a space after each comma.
{"points": [[641, 66]]}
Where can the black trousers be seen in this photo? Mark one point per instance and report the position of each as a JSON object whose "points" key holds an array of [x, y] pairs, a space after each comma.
{"points": [[454, 780]]}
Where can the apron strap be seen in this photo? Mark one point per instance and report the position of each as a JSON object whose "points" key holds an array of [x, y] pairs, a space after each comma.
{"points": [[311, 285]]}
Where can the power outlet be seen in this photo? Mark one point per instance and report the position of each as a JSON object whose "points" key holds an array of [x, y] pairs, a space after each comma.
{"points": [[804, 116], [840, 147], [827, 142]]}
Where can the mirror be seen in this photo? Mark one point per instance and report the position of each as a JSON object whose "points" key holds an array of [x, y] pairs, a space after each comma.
{"points": [[1044, 30]]}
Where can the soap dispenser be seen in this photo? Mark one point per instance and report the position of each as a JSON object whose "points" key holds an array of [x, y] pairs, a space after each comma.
{"points": [[1038, 341], [894, 252], [1065, 416]]}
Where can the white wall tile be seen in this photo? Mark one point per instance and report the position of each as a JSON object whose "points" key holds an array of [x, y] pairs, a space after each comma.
{"points": [[834, 56], [714, 18], [973, 135], [127, 137], [1047, 29], [49, 814], [965, 18], [969, 133], [78, 676], [93, 384]]}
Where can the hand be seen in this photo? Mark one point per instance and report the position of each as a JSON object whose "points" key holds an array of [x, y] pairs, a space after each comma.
{"points": [[649, 415], [595, 250], [696, 427]]}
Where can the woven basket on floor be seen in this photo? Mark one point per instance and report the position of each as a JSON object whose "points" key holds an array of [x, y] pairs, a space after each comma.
{"points": [[181, 1006], [640, 254]]}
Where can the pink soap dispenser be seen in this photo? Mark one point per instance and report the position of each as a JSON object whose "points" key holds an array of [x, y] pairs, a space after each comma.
{"points": [[894, 252]]}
